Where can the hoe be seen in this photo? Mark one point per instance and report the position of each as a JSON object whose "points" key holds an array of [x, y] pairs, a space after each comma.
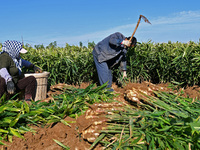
{"points": [[145, 19]]}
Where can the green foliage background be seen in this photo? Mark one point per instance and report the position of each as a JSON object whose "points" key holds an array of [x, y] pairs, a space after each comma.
{"points": [[155, 62]]}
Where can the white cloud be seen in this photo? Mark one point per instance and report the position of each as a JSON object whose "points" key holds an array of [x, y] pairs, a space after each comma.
{"points": [[182, 26], [181, 17]]}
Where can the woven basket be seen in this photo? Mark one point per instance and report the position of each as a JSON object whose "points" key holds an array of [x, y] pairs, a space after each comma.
{"points": [[41, 78]]}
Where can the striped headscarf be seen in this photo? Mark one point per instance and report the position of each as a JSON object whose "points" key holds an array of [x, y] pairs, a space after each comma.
{"points": [[13, 49]]}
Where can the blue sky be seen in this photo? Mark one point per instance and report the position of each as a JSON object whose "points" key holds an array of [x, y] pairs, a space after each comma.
{"points": [[72, 21]]}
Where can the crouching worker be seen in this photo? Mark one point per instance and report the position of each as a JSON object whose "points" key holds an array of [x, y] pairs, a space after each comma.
{"points": [[109, 52], [11, 78]]}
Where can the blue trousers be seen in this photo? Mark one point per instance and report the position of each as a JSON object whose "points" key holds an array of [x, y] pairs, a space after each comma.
{"points": [[104, 73]]}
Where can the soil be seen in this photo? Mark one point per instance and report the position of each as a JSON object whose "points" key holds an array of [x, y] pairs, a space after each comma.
{"points": [[83, 131]]}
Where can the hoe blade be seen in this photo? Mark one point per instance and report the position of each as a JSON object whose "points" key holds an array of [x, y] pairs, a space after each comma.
{"points": [[145, 19]]}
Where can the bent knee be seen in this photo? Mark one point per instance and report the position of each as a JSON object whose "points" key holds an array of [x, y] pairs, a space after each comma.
{"points": [[2, 82], [31, 78]]}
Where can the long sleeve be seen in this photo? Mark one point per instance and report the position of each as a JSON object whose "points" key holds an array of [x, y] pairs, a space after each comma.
{"points": [[123, 66], [4, 74], [123, 61], [26, 63]]}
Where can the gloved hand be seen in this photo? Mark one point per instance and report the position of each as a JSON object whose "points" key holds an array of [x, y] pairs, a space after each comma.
{"points": [[124, 74], [37, 69], [10, 87], [126, 42]]}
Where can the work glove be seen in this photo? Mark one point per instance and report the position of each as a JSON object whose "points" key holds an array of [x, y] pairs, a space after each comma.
{"points": [[124, 74], [126, 42], [10, 87], [37, 69]]}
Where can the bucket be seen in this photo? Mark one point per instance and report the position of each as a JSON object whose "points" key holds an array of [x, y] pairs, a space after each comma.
{"points": [[41, 87]]}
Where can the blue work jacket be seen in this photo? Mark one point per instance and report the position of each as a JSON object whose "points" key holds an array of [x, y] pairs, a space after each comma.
{"points": [[111, 50]]}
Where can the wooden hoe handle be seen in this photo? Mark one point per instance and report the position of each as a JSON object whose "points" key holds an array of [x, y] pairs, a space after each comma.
{"points": [[145, 19]]}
